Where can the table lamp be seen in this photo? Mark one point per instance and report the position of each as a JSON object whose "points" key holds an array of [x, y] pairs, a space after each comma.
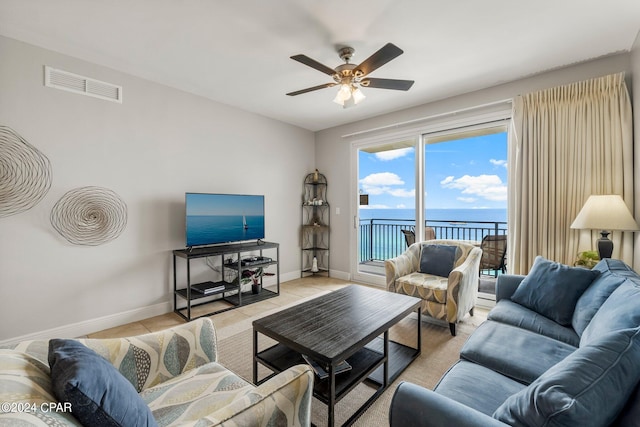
{"points": [[605, 213]]}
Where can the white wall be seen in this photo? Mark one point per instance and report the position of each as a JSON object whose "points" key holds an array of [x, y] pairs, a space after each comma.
{"points": [[333, 151], [150, 150]]}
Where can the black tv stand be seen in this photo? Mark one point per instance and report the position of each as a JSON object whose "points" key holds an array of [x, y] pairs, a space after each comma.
{"points": [[222, 292]]}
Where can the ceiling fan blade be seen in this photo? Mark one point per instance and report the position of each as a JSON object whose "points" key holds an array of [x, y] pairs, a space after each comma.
{"points": [[387, 83], [311, 89], [378, 59], [304, 59]]}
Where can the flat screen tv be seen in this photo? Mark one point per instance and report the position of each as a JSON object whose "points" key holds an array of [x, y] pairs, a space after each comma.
{"points": [[223, 218]]}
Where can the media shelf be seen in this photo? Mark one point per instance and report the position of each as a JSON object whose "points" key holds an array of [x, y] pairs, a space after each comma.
{"points": [[226, 295]]}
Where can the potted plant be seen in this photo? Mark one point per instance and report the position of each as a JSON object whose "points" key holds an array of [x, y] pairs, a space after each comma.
{"points": [[253, 277], [587, 259]]}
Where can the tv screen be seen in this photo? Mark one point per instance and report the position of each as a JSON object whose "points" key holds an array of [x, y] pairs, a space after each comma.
{"points": [[223, 218]]}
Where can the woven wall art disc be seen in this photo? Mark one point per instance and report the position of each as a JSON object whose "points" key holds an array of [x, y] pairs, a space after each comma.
{"points": [[25, 173], [89, 216]]}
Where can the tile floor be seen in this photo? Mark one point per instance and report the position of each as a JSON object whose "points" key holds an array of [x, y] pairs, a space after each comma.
{"points": [[233, 320]]}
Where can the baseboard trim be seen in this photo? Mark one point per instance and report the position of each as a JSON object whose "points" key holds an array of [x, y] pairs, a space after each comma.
{"points": [[83, 328], [80, 329], [342, 275]]}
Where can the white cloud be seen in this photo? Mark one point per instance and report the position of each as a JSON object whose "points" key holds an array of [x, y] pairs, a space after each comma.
{"points": [[498, 162], [447, 180], [382, 178], [385, 183], [393, 154], [401, 192], [489, 187], [374, 207], [467, 199]]}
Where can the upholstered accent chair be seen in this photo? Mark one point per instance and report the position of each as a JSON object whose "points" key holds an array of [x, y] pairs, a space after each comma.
{"points": [[446, 295], [175, 373]]}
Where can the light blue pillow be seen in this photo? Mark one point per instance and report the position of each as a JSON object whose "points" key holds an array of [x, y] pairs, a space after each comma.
{"points": [[552, 289], [438, 259], [588, 388], [98, 393]]}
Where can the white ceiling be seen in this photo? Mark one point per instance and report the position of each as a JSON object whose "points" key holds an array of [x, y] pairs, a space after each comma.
{"points": [[237, 51]]}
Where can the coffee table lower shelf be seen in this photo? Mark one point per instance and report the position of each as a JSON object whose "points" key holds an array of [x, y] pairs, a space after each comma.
{"points": [[366, 365]]}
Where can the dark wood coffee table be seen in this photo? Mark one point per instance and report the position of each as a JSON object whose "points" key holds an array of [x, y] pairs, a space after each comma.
{"points": [[346, 324]]}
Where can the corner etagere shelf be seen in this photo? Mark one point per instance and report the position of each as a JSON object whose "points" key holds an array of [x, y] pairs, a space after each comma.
{"points": [[315, 226], [230, 294]]}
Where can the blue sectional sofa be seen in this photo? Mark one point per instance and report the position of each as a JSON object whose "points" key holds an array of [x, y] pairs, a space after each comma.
{"points": [[560, 348]]}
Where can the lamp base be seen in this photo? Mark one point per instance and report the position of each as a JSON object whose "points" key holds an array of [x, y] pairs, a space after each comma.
{"points": [[605, 246]]}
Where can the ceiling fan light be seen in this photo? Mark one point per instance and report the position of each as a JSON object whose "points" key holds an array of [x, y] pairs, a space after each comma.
{"points": [[357, 95], [343, 94]]}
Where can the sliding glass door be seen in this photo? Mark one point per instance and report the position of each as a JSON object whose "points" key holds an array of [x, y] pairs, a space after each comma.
{"points": [[448, 181], [386, 204], [465, 181]]}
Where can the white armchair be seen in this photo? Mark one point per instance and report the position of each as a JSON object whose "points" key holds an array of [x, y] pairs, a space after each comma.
{"points": [[445, 298]]}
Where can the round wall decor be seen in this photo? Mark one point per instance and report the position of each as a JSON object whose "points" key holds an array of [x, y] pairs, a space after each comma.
{"points": [[25, 173], [89, 216]]}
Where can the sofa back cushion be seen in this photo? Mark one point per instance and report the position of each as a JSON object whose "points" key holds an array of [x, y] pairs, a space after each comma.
{"points": [[612, 273], [589, 387], [620, 311], [552, 289]]}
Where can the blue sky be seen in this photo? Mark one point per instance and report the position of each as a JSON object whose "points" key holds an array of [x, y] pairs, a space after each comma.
{"points": [[467, 173]]}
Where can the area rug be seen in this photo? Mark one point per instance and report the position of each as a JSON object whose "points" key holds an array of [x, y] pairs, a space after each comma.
{"points": [[439, 352]]}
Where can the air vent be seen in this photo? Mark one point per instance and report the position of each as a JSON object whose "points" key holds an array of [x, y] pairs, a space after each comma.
{"points": [[83, 85]]}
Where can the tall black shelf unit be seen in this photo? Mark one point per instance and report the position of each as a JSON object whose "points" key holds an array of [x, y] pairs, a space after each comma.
{"points": [[316, 226], [230, 293]]}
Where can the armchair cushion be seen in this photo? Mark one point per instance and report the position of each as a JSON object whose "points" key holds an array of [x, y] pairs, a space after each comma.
{"points": [[552, 289], [98, 393], [187, 397], [589, 387], [438, 260]]}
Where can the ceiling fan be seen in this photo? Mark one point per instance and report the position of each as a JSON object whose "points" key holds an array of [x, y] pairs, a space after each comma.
{"points": [[352, 77]]}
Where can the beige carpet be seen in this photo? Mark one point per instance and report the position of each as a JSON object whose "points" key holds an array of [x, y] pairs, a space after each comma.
{"points": [[439, 351]]}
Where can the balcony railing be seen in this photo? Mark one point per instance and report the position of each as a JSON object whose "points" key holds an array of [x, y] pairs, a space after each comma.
{"points": [[382, 239]]}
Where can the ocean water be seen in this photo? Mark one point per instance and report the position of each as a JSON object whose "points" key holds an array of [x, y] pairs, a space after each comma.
{"points": [[380, 236], [210, 229]]}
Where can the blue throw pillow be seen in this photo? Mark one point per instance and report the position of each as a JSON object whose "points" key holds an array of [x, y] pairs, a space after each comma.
{"points": [[597, 293], [588, 388], [620, 311], [98, 393], [552, 289], [438, 259]]}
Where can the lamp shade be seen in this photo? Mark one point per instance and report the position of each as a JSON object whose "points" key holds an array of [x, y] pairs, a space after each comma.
{"points": [[605, 212]]}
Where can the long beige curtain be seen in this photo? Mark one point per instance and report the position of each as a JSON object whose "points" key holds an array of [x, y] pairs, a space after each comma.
{"points": [[567, 143]]}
